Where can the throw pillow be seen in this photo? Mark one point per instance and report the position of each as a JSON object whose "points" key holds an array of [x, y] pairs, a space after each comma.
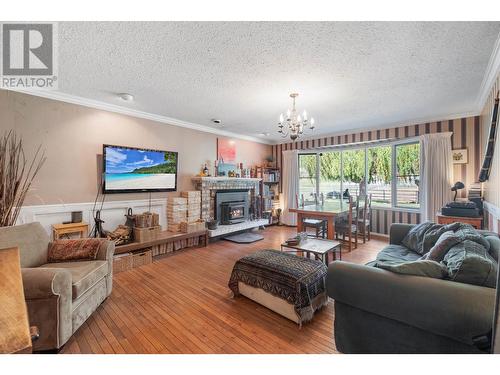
{"points": [[427, 268], [422, 237], [415, 237], [441, 247], [70, 250], [469, 262]]}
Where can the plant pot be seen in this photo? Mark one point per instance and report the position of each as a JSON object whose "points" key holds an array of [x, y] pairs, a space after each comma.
{"points": [[212, 224]]}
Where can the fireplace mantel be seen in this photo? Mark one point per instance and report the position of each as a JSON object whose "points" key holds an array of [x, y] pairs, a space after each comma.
{"points": [[224, 178]]}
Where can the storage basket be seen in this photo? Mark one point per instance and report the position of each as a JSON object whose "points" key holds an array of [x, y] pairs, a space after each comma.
{"points": [[122, 262], [146, 234], [192, 227], [142, 258]]}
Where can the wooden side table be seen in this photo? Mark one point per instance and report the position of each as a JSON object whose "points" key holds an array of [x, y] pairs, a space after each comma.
{"points": [[476, 222], [59, 230]]}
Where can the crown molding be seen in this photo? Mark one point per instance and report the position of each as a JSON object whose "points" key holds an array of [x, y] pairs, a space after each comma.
{"points": [[96, 104], [490, 75], [398, 124]]}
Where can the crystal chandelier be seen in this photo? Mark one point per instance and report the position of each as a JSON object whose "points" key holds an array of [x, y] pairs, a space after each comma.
{"points": [[294, 124]]}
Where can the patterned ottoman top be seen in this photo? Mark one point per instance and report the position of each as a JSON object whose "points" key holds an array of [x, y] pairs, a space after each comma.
{"points": [[298, 280]]}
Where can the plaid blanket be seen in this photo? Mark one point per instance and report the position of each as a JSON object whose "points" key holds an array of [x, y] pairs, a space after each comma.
{"points": [[298, 280]]}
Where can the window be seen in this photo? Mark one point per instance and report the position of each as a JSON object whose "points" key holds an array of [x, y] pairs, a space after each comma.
{"points": [[407, 175], [353, 170], [307, 177], [390, 173], [330, 175], [379, 175]]}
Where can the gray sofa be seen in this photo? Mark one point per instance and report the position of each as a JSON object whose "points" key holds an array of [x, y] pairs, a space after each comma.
{"points": [[378, 311], [59, 296]]}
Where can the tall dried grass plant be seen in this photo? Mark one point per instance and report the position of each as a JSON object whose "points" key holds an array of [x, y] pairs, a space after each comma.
{"points": [[16, 176]]}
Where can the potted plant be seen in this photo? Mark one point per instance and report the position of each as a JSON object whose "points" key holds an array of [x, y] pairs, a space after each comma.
{"points": [[211, 223]]}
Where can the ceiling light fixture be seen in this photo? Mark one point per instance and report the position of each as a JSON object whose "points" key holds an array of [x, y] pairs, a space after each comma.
{"points": [[294, 124], [126, 97]]}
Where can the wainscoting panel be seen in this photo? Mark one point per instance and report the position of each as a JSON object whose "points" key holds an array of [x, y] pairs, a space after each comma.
{"points": [[113, 213], [491, 217]]}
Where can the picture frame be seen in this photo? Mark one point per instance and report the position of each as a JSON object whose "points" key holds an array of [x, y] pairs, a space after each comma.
{"points": [[460, 156]]}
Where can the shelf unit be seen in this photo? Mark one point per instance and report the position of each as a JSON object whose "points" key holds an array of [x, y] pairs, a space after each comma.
{"points": [[269, 191]]}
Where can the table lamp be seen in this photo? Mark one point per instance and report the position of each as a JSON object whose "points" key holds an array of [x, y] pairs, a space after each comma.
{"points": [[458, 186]]}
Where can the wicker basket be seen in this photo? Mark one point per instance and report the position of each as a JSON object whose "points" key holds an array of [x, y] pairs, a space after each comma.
{"points": [[146, 234], [122, 262], [192, 227], [142, 258]]}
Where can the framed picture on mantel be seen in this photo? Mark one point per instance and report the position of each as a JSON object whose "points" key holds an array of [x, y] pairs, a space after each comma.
{"points": [[226, 150]]}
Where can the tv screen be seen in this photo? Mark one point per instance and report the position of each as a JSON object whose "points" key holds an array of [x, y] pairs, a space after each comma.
{"points": [[130, 170]]}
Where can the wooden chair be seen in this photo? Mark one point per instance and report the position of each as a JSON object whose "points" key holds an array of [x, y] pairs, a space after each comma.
{"points": [[318, 224], [344, 224], [364, 219]]}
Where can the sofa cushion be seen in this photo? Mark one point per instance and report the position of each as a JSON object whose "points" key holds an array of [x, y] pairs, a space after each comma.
{"points": [[441, 247], [84, 274], [78, 249], [470, 263]]}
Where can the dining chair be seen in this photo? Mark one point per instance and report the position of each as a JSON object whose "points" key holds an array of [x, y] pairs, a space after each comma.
{"points": [[319, 225], [345, 226], [364, 219]]}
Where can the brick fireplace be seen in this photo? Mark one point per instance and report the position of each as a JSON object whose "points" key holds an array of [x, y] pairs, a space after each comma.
{"points": [[210, 186]]}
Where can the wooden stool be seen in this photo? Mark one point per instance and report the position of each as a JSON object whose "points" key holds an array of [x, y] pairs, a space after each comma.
{"points": [[59, 230]]}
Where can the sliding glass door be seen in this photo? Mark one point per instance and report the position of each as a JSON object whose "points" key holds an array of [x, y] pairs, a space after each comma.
{"points": [[353, 170], [308, 177], [379, 181], [330, 175]]}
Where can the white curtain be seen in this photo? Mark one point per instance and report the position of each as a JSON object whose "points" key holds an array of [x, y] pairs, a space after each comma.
{"points": [[436, 168], [290, 175]]}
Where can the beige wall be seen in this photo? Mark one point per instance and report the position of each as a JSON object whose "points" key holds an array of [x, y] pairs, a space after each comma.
{"points": [[73, 136]]}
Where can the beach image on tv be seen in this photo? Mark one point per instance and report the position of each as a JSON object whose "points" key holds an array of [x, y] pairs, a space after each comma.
{"points": [[133, 169]]}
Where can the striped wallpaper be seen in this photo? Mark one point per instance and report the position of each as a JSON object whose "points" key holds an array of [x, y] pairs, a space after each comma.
{"points": [[466, 134]]}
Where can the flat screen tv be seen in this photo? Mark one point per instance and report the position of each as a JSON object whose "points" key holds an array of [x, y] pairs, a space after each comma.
{"points": [[132, 170]]}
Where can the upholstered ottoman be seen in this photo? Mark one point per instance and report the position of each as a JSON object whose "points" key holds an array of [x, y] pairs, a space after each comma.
{"points": [[292, 286]]}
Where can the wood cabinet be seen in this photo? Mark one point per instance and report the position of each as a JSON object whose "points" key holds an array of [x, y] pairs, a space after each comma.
{"points": [[476, 222]]}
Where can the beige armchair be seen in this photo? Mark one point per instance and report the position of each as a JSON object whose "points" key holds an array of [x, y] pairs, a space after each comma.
{"points": [[59, 296]]}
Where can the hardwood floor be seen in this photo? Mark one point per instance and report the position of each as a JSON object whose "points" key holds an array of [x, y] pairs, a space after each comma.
{"points": [[181, 304]]}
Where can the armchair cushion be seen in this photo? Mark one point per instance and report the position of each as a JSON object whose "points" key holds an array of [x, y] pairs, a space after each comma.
{"points": [[84, 274], [69, 250]]}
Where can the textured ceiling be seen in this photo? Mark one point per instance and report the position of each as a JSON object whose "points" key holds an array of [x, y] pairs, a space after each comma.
{"points": [[350, 75]]}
